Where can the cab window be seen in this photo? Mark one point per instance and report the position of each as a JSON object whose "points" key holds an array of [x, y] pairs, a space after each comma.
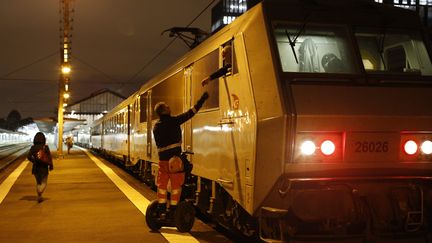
{"points": [[314, 49], [393, 51]]}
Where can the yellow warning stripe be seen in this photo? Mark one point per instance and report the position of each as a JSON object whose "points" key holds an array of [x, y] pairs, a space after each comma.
{"points": [[139, 201], [10, 180]]}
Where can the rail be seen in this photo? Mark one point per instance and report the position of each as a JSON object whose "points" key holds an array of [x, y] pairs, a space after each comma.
{"points": [[11, 152]]}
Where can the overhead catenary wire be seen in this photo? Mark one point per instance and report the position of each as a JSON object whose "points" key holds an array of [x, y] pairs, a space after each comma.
{"points": [[96, 69], [30, 80], [28, 65], [166, 46], [129, 81]]}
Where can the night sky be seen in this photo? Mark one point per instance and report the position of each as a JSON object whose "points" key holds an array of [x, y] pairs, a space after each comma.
{"points": [[112, 41]]}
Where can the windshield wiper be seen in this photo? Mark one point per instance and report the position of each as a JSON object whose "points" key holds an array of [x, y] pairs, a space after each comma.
{"points": [[293, 42], [381, 48]]}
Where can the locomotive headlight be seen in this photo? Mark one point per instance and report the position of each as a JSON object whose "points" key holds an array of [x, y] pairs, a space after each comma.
{"points": [[308, 147], [416, 146], [319, 147], [328, 147], [410, 147], [426, 147]]}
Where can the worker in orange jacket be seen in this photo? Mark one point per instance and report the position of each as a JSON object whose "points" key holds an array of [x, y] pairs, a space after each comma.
{"points": [[168, 137]]}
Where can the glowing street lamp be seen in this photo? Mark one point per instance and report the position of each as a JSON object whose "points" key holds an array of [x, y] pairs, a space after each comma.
{"points": [[66, 69]]}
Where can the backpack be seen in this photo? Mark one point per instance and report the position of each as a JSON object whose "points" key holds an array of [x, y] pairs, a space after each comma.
{"points": [[43, 156]]}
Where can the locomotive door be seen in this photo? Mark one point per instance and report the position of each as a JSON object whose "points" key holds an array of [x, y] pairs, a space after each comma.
{"points": [[209, 130], [140, 129], [230, 124]]}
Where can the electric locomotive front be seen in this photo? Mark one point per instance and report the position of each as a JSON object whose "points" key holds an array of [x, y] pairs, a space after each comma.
{"points": [[355, 78]]}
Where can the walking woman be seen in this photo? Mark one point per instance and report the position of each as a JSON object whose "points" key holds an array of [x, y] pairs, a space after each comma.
{"points": [[40, 156]]}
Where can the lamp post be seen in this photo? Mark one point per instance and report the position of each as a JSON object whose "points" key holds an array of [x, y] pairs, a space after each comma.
{"points": [[60, 122], [65, 44], [63, 95]]}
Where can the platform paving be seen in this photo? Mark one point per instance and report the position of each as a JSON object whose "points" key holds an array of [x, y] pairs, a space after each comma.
{"points": [[81, 204]]}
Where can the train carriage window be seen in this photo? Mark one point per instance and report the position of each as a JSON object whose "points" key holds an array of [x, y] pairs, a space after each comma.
{"points": [[133, 113], [314, 49], [96, 130], [119, 123], [393, 51], [112, 131], [143, 107], [111, 127], [170, 91], [115, 124], [122, 122], [201, 69], [107, 126]]}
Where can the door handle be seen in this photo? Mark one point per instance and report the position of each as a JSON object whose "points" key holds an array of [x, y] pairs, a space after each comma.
{"points": [[226, 121], [225, 182]]}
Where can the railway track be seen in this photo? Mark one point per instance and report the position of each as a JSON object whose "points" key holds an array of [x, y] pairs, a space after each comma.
{"points": [[10, 153]]}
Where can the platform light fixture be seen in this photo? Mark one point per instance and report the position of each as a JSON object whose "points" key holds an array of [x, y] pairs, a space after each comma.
{"points": [[66, 69]]}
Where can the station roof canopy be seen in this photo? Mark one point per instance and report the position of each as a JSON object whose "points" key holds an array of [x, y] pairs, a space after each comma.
{"points": [[48, 124]]}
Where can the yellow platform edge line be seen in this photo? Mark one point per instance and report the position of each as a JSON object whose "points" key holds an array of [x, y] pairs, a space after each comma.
{"points": [[10, 180], [133, 195], [137, 199]]}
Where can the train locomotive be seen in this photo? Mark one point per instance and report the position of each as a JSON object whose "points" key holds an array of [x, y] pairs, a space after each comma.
{"points": [[322, 128]]}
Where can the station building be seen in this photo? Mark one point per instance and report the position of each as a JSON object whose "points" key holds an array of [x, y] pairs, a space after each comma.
{"points": [[80, 113], [94, 106], [87, 110]]}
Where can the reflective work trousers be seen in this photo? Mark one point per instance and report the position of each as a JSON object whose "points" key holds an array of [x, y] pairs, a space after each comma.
{"points": [[176, 179]]}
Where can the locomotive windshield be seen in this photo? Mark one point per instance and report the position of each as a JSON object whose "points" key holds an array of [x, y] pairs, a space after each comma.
{"points": [[314, 49], [307, 48], [393, 52]]}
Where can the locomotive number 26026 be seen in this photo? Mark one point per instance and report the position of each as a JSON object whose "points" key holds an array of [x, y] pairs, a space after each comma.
{"points": [[372, 146]]}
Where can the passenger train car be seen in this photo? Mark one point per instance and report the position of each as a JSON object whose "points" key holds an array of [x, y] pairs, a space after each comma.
{"points": [[321, 129]]}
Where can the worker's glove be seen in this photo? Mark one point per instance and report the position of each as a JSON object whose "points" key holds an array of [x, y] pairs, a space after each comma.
{"points": [[205, 81]]}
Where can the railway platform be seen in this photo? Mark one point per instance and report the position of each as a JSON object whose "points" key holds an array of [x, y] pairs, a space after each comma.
{"points": [[87, 200]]}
